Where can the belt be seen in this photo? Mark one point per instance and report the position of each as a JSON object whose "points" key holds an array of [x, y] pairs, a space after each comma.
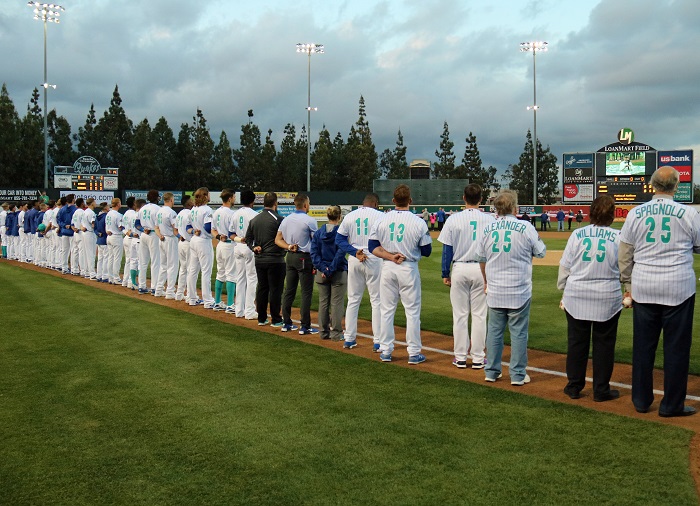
{"points": [[466, 261]]}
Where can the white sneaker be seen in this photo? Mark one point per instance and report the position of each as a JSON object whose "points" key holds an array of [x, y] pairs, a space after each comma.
{"points": [[493, 380], [522, 382]]}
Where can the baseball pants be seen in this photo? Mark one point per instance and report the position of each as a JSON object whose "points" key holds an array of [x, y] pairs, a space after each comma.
{"points": [[361, 275], [183, 253], [66, 248], [169, 266], [225, 263], [115, 250], [467, 296], [400, 282], [149, 253], [126, 277], [201, 258], [246, 281], [22, 253], [89, 250], [102, 262], [75, 253]]}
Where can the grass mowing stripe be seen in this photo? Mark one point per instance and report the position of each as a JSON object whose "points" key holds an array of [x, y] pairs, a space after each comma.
{"points": [[110, 400]]}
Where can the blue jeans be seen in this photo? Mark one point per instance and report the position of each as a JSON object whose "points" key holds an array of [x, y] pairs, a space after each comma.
{"points": [[518, 321]]}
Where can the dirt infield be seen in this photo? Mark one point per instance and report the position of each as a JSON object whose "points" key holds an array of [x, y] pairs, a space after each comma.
{"points": [[547, 370]]}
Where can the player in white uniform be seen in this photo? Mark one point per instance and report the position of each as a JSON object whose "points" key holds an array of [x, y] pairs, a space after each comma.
{"points": [[460, 236], [77, 259], [128, 222], [89, 240], [47, 251], [3, 228], [364, 269], [222, 227], [115, 241], [183, 221], [590, 278], [505, 252], [400, 238], [246, 277], [165, 230], [56, 253], [149, 250], [201, 250], [23, 236], [657, 243]]}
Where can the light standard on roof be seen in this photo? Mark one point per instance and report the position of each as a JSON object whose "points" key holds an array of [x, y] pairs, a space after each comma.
{"points": [[309, 49], [48, 13], [535, 47]]}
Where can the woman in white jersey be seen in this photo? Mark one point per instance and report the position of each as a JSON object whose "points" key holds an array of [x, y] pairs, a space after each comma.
{"points": [[590, 278], [201, 250]]}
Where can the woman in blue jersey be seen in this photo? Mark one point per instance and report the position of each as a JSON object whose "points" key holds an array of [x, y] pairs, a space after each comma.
{"points": [[590, 278]]}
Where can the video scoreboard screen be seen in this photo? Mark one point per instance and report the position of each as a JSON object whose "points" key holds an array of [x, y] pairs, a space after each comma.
{"points": [[626, 189], [94, 182]]}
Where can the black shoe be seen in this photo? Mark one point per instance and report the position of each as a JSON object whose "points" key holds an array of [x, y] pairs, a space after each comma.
{"points": [[573, 394], [641, 410], [610, 396], [687, 411]]}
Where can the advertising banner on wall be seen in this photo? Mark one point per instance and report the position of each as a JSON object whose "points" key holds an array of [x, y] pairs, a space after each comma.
{"points": [[98, 196], [141, 194], [17, 194]]}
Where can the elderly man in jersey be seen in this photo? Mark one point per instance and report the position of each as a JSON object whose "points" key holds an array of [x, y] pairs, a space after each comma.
{"points": [[400, 239], [590, 278], [364, 269], [460, 238], [657, 243], [294, 235], [506, 249]]}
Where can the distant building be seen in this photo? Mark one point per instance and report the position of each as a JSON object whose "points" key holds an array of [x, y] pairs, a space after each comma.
{"points": [[419, 169]]}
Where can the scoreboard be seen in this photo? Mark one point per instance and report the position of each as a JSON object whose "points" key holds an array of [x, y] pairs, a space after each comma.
{"points": [[626, 189], [86, 174]]}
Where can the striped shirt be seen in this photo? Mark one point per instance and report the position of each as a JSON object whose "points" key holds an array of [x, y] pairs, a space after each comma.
{"points": [[357, 225], [299, 228], [401, 232], [507, 246], [462, 231], [592, 289], [664, 235]]}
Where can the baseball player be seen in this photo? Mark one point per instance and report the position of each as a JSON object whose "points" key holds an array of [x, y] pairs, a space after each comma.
{"points": [[201, 250], [23, 231], [40, 235], [460, 238], [400, 238], [657, 243], [149, 250], [77, 259], [101, 241], [129, 222], [505, 251], [89, 239], [246, 277], [590, 278], [135, 235], [184, 220], [364, 269], [3, 228], [115, 241], [46, 251], [165, 230], [64, 218], [57, 243], [12, 226], [222, 226]]}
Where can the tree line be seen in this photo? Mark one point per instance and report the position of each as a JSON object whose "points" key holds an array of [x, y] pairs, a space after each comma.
{"points": [[152, 156]]}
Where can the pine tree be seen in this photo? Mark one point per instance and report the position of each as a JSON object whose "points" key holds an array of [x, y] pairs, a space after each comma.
{"points": [[61, 150], [444, 168], [86, 136], [113, 135], [361, 155], [9, 140], [322, 161], [472, 169], [291, 162], [520, 175], [184, 156], [201, 173], [248, 156], [143, 160], [165, 158], [399, 165], [224, 169], [268, 171], [340, 179], [32, 145]]}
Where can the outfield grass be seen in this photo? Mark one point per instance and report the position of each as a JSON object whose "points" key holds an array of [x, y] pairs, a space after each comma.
{"points": [[108, 399]]}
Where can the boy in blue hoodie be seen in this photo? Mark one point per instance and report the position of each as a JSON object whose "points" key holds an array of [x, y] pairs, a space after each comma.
{"points": [[331, 277]]}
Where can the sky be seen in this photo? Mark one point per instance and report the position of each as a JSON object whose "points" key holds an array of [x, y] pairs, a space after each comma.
{"points": [[417, 63]]}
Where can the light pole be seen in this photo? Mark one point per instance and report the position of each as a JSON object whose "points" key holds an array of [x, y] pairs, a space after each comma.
{"points": [[535, 47], [309, 49], [48, 13]]}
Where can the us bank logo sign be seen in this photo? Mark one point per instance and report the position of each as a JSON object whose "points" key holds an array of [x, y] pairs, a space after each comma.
{"points": [[625, 136]]}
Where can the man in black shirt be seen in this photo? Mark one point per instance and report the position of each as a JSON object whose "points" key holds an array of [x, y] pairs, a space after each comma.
{"points": [[269, 261]]}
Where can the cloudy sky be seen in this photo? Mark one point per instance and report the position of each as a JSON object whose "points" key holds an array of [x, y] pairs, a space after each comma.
{"points": [[418, 63]]}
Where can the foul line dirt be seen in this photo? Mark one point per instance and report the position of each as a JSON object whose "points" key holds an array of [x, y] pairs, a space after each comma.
{"points": [[543, 385]]}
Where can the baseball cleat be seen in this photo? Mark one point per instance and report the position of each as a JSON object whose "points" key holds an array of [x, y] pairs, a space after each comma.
{"points": [[375, 348], [459, 364], [416, 359], [307, 331], [144, 291], [385, 357], [349, 345], [478, 365]]}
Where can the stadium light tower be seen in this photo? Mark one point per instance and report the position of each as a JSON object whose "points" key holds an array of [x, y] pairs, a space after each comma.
{"points": [[48, 13], [309, 49], [535, 47]]}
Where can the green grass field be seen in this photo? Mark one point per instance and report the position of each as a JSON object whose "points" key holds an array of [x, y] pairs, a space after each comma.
{"points": [[112, 400]]}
